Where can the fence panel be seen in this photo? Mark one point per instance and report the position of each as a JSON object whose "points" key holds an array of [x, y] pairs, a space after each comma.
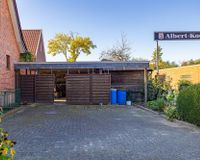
{"points": [[10, 99]]}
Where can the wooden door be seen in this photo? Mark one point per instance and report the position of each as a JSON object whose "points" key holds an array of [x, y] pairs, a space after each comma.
{"points": [[88, 88], [44, 88], [78, 89], [100, 91], [27, 87]]}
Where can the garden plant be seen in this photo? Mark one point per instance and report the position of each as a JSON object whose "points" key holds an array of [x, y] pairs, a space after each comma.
{"points": [[188, 104], [6, 145]]}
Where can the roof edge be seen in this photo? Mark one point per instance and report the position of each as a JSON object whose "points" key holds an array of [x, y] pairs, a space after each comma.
{"points": [[85, 62], [17, 25], [38, 43], [82, 65]]}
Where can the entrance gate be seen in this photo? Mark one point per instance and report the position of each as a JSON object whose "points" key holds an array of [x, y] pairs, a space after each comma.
{"points": [[37, 88], [88, 88]]}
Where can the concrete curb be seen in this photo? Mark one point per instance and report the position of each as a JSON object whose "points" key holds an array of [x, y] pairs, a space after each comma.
{"points": [[149, 110], [164, 116], [11, 112]]}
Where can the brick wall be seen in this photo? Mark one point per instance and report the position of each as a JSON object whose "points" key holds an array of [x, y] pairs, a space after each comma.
{"points": [[8, 46]]}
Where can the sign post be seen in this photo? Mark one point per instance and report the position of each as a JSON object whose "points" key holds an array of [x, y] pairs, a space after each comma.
{"points": [[157, 57]]}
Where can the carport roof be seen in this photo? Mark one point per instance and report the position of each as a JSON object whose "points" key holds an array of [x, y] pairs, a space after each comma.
{"points": [[83, 65]]}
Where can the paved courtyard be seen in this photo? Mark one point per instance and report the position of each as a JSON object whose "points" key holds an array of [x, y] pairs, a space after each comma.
{"points": [[59, 132]]}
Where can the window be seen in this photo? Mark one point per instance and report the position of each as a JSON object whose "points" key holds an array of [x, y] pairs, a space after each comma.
{"points": [[8, 62]]}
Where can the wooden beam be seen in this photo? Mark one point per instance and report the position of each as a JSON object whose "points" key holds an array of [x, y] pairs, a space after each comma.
{"points": [[145, 86]]}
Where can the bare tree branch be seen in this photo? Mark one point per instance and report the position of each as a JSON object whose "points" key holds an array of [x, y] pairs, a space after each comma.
{"points": [[119, 52]]}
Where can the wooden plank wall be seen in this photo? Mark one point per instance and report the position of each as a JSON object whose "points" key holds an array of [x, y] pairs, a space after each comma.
{"points": [[88, 88], [101, 85], [37, 88], [44, 88], [27, 86], [78, 89], [129, 80]]}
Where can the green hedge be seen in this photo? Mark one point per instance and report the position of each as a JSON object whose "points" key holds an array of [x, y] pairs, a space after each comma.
{"points": [[157, 105], [188, 104], [184, 84], [172, 113]]}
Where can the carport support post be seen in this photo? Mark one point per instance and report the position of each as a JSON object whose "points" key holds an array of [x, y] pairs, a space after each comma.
{"points": [[145, 86]]}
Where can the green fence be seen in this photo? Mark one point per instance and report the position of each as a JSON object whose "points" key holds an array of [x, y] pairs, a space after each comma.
{"points": [[10, 99]]}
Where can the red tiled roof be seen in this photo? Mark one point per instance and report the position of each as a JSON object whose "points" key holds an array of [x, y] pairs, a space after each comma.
{"points": [[32, 39]]}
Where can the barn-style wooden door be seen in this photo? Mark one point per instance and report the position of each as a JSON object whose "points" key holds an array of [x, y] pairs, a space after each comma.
{"points": [[44, 88], [37, 88], [88, 88]]}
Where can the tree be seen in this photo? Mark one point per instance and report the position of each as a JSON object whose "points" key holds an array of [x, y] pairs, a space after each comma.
{"points": [[70, 45], [167, 64], [138, 59], [162, 64], [190, 62], [154, 57], [119, 52]]}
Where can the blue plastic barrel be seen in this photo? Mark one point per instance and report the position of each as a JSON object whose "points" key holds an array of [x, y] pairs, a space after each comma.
{"points": [[113, 96], [121, 97]]}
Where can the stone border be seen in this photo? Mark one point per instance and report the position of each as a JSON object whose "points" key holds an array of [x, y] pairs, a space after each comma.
{"points": [[11, 112], [17, 109], [164, 116]]}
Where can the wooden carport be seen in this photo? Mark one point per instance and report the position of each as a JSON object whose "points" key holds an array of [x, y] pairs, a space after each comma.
{"points": [[85, 82]]}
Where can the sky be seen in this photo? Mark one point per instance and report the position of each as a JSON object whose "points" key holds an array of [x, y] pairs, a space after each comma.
{"points": [[104, 21]]}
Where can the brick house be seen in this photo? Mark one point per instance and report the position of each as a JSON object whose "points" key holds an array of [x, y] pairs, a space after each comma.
{"points": [[11, 43], [35, 44]]}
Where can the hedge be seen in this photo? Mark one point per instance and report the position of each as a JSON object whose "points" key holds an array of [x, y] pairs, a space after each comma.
{"points": [[188, 104]]}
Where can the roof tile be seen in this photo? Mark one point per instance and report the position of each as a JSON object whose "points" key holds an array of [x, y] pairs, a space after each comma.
{"points": [[32, 38]]}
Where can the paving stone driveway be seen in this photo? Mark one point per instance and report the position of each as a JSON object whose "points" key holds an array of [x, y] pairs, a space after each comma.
{"points": [[56, 132]]}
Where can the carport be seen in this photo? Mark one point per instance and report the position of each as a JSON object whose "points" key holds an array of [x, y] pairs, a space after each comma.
{"points": [[80, 82]]}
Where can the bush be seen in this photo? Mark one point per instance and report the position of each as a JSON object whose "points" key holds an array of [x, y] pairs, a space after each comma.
{"points": [[26, 57], [188, 104], [157, 88], [157, 105], [172, 113], [6, 145], [183, 84], [171, 98]]}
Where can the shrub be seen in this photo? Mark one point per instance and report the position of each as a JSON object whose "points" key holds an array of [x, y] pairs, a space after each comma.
{"points": [[171, 98], [183, 84], [157, 88], [188, 104], [172, 113], [157, 105], [26, 57], [6, 146]]}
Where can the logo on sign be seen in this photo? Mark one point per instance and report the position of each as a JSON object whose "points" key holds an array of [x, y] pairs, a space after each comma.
{"points": [[161, 36]]}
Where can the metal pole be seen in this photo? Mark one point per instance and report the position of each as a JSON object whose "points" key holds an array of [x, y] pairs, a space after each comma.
{"points": [[157, 58]]}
